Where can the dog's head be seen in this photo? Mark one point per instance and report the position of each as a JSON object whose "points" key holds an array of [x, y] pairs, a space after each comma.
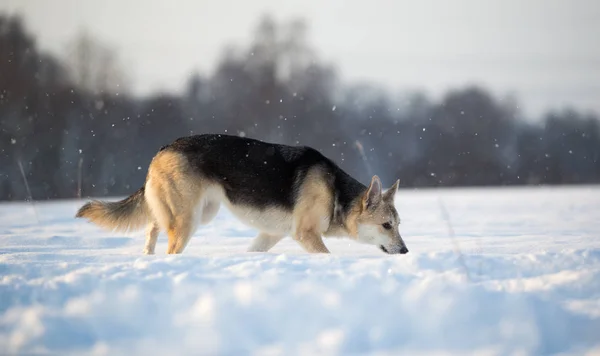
{"points": [[377, 222]]}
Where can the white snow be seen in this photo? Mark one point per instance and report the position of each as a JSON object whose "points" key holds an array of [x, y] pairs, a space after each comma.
{"points": [[532, 254]]}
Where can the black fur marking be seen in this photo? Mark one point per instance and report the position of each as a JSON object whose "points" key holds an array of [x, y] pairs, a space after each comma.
{"points": [[262, 174]]}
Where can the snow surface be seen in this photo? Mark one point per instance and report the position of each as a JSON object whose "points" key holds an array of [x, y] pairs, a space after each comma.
{"points": [[532, 255]]}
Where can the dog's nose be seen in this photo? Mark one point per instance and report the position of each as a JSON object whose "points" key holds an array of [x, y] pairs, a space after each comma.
{"points": [[404, 250]]}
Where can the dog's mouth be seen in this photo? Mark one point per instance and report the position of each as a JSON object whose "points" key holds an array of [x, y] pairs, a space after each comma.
{"points": [[382, 248]]}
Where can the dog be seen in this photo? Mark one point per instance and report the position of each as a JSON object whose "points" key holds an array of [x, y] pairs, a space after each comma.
{"points": [[277, 189]]}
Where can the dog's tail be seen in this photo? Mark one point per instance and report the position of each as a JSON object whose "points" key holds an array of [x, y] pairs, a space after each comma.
{"points": [[129, 214]]}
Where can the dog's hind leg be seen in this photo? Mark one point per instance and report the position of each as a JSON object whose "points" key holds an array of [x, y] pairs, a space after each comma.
{"points": [[151, 236], [179, 233], [170, 216], [185, 224], [173, 192], [264, 242]]}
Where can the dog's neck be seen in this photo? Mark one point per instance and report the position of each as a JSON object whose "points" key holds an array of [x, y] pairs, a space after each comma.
{"points": [[343, 220]]}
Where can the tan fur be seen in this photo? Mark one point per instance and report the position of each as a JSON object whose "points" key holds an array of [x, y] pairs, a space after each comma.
{"points": [[312, 212], [126, 215], [352, 219], [173, 193]]}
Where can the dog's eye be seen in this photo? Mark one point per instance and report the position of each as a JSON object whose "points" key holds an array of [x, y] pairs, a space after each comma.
{"points": [[387, 226]]}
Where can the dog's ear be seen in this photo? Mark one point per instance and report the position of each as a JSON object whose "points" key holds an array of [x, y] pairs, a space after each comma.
{"points": [[372, 196], [391, 193]]}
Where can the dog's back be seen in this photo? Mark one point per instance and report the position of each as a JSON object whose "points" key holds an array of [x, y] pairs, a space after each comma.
{"points": [[252, 172]]}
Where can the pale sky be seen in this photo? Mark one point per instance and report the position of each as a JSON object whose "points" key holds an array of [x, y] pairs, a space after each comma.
{"points": [[547, 52]]}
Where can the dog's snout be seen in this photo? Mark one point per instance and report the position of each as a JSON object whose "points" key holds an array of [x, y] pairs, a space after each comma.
{"points": [[394, 250]]}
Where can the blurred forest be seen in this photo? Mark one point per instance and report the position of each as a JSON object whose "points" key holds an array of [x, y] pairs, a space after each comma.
{"points": [[70, 121]]}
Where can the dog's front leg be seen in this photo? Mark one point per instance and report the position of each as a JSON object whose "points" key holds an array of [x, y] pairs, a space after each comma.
{"points": [[311, 241], [264, 242]]}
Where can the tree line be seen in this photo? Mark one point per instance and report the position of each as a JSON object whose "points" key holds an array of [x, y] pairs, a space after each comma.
{"points": [[69, 128]]}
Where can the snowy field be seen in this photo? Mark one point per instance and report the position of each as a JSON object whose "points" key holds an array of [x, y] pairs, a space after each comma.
{"points": [[533, 284]]}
